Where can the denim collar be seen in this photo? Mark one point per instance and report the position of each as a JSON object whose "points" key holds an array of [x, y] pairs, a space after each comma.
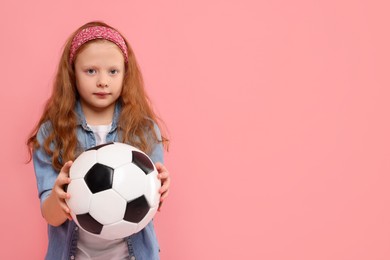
{"points": [[82, 121]]}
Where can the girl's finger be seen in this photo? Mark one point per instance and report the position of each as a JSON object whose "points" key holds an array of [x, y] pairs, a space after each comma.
{"points": [[163, 189], [62, 180], [65, 208], [60, 193], [165, 185], [160, 167], [64, 195], [66, 167], [164, 195], [163, 175], [160, 205]]}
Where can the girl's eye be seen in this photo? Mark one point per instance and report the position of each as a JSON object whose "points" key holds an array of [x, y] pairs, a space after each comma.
{"points": [[91, 71], [113, 72]]}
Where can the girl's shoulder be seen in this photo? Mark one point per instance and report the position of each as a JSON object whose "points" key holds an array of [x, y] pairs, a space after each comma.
{"points": [[44, 131], [155, 127], [45, 128]]}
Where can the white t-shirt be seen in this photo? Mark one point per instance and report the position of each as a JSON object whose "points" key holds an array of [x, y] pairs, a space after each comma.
{"points": [[93, 247]]}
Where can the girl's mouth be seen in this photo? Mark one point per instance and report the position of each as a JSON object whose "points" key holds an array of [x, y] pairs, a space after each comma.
{"points": [[101, 94]]}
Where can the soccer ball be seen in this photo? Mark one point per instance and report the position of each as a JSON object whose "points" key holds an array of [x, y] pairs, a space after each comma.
{"points": [[113, 190]]}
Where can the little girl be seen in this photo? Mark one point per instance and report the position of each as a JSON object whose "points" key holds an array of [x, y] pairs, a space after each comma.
{"points": [[98, 96]]}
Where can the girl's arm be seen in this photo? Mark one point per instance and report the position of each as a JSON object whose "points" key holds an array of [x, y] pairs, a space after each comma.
{"points": [[163, 175], [50, 183], [157, 156], [54, 208]]}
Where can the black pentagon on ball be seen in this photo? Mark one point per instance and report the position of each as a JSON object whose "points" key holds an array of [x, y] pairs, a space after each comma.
{"points": [[143, 162], [136, 209], [99, 178], [87, 222], [99, 146]]}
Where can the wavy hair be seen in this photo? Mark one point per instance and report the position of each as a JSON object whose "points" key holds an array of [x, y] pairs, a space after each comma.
{"points": [[136, 117]]}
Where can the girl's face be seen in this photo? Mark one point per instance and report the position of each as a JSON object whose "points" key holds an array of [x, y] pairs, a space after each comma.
{"points": [[99, 70]]}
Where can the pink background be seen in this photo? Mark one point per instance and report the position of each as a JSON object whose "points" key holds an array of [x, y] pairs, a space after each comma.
{"points": [[278, 114]]}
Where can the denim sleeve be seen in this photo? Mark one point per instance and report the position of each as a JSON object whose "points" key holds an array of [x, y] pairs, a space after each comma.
{"points": [[157, 152], [45, 174]]}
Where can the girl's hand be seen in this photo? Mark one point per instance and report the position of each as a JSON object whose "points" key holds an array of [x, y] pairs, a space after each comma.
{"points": [[63, 181], [163, 176], [54, 209]]}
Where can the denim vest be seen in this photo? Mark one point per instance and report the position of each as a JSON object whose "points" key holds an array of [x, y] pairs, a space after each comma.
{"points": [[63, 239]]}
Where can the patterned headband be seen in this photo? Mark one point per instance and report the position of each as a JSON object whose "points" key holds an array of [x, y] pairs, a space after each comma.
{"points": [[97, 32]]}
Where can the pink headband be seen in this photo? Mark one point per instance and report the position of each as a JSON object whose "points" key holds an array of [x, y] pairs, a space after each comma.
{"points": [[97, 32]]}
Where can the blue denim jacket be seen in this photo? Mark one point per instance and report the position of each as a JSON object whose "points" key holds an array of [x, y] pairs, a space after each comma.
{"points": [[63, 239]]}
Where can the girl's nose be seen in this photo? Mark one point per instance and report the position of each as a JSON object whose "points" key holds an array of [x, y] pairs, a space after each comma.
{"points": [[102, 83]]}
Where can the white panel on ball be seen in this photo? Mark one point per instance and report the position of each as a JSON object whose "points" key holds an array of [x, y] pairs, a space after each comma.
{"points": [[83, 163], [80, 196], [107, 207], [118, 230], [152, 188], [114, 155], [129, 181]]}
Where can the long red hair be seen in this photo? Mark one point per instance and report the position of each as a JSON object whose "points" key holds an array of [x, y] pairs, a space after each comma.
{"points": [[134, 118]]}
